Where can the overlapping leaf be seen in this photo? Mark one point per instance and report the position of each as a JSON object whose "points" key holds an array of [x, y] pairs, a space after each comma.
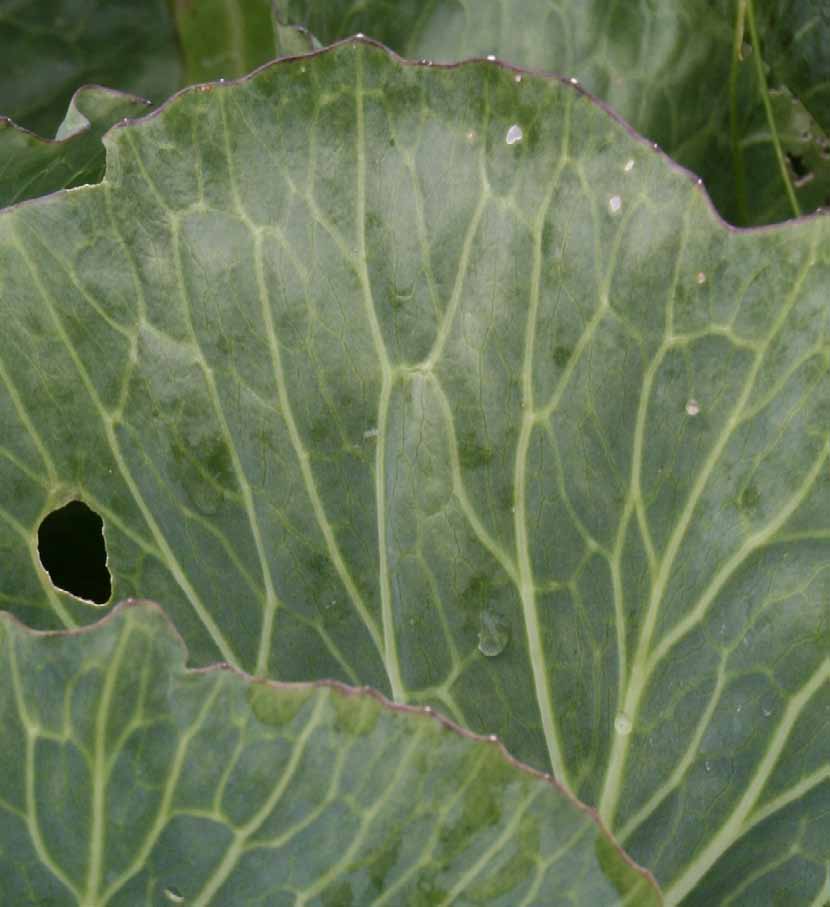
{"points": [[50, 50], [129, 781], [31, 166], [441, 381]]}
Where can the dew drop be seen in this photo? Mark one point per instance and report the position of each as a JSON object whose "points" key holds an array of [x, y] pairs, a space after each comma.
{"points": [[700, 277], [573, 81], [692, 407], [738, 707], [707, 765], [493, 738], [622, 724], [518, 77], [493, 633], [629, 165], [614, 204], [360, 35], [514, 134], [491, 57]]}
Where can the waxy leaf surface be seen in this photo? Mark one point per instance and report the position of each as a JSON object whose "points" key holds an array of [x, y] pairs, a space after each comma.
{"points": [[442, 381], [129, 781]]}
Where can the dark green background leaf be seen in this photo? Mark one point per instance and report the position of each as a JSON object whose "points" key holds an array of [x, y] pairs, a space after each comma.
{"points": [[796, 35], [53, 47], [224, 38]]}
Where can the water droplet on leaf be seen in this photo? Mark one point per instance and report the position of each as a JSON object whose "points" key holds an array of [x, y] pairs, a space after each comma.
{"points": [[514, 134], [622, 724], [493, 633], [573, 81], [692, 407], [491, 57]]}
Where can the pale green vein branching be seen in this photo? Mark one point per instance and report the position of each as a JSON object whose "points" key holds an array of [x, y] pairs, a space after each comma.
{"points": [[390, 651], [642, 664], [236, 848], [271, 601], [733, 827], [170, 559], [489, 857], [507, 563], [682, 765], [388, 898], [696, 613], [382, 796], [32, 800], [164, 812], [527, 583], [98, 774]]}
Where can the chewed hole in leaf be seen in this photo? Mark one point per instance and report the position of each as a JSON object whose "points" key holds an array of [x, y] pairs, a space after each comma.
{"points": [[73, 552]]}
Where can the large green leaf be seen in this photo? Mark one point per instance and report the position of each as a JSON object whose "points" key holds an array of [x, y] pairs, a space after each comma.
{"points": [[31, 166], [129, 781], [52, 47], [679, 71], [442, 381]]}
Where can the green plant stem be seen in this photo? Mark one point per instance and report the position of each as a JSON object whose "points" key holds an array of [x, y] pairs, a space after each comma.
{"points": [[738, 167], [762, 87]]}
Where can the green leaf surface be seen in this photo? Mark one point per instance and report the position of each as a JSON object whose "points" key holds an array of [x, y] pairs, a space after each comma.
{"points": [[53, 47], [224, 38], [675, 70], [442, 381], [130, 781], [31, 166]]}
